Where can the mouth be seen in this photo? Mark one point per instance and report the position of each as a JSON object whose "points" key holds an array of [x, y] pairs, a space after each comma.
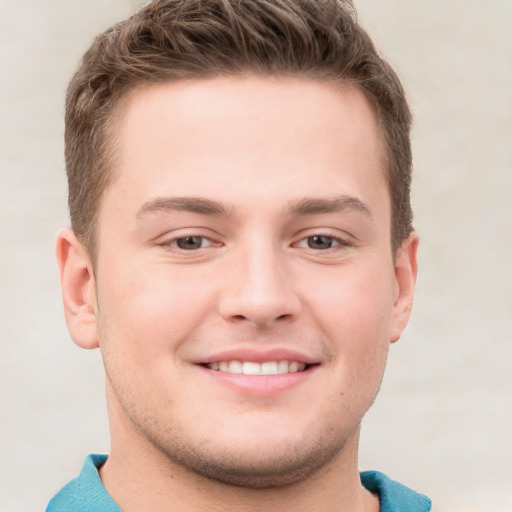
{"points": [[279, 367], [257, 372]]}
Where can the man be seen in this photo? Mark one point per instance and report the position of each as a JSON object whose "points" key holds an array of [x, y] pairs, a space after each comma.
{"points": [[241, 252]]}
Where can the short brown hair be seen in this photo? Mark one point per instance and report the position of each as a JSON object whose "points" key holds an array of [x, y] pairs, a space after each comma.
{"points": [[169, 40]]}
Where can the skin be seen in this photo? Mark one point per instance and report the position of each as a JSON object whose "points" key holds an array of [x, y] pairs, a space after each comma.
{"points": [[254, 169]]}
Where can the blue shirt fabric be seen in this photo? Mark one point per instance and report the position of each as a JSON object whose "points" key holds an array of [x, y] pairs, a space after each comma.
{"points": [[86, 492]]}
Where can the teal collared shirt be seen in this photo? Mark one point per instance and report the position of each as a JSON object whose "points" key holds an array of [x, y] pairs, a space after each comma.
{"points": [[86, 492]]}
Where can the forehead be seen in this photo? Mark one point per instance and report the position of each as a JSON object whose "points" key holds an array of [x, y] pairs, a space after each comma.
{"points": [[263, 136]]}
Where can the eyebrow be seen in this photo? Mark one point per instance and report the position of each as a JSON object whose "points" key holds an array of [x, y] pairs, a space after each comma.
{"points": [[300, 207], [184, 204], [316, 206]]}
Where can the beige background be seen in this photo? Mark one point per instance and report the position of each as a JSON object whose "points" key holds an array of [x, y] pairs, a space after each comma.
{"points": [[443, 422]]}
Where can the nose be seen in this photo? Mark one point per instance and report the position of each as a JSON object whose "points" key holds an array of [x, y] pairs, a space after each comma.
{"points": [[260, 290]]}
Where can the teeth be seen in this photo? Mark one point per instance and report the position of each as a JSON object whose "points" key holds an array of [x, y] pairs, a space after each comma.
{"points": [[252, 368], [293, 367], [283, 367], [235, 367], [269, 368]]}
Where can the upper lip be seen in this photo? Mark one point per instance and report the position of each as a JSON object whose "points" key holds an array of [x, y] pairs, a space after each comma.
{"points": [[259, 356]]}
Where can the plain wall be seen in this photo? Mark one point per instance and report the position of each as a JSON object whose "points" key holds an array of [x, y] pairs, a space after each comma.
{"points": [[443, 421]]}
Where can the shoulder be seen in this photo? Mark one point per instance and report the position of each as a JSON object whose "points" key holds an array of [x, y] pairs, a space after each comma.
{"points": [[394, 497], [85, 493]]}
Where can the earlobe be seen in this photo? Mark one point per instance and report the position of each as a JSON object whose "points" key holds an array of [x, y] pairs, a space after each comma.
{"points": [[406, 268], [78, 289]]}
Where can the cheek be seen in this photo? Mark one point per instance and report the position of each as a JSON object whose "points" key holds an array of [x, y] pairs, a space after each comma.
{"points": [[149, 309], [355, 305], [354, 311]]}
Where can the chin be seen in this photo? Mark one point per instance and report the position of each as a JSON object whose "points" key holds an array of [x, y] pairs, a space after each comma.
{"points": [[257, 465]]}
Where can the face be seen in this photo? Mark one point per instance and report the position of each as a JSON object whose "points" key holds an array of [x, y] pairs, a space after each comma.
{"points": [[245, 291]]}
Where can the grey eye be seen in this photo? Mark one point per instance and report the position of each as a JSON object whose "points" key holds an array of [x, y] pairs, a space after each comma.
{"points": [[320, 242], [190, 243]]}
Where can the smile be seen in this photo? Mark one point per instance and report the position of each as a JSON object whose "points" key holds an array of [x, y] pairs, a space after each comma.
{"points": [[254, 368]]}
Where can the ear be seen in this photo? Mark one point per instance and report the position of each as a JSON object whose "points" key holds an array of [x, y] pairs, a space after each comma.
{"points": [[406, 268], [78, 289]]}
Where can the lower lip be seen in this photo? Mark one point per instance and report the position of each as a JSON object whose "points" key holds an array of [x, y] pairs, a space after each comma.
{"points": [[260, 385]]}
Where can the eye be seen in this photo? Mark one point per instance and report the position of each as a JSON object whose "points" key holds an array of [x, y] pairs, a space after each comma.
{"points": [[319, 242], [190, 243]]}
